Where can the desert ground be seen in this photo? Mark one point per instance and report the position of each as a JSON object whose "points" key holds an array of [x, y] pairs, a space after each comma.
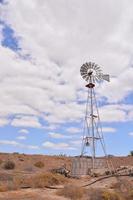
{"points": [[30, 177]]}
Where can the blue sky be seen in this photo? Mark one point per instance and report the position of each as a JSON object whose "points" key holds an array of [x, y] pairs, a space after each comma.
{"points": [[42, 104]]}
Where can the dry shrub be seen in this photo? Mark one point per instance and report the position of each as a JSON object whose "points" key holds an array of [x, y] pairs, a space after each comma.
{"points": [[47, 179], [9, 165], [98, 194], [37, 181], [122, 186], [39, 164], [1, 161], [111, 196], [130, 195], [20, 182], [72, 192], [95, 194], [3, 188]]}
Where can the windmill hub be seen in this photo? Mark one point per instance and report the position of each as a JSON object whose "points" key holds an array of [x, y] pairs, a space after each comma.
{"points": [[91, 72]]}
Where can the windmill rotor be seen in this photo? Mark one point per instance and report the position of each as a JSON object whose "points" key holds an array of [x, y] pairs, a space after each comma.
{"points": [[92, 71]]}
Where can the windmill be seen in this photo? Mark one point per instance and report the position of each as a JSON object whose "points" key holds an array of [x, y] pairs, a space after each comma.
{"points": [[92, 133]]}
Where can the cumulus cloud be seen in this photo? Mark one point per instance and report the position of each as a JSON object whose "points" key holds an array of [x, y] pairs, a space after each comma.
{"points": [[26, 121], [108, 130], [76, 142], [59, 37], [73, 130], [25, 131], [56, 135], [57, 146], [17, 144], [59, 136], [21, 138], [116, 113], [130, 133], [119, 88], [4, 121], [1, 35]]}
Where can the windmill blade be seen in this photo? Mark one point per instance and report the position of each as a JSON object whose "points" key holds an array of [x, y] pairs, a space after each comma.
{"points": [[87, 78], [93, 64], [97, 68]]}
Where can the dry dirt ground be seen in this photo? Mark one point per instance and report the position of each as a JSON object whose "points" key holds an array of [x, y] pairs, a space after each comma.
{"points": [[25, 167], [30, 194], [48, 194]]}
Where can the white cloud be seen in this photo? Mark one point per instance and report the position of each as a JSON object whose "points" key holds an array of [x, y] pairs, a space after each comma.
{"points": [[59, 136], [119, 87], [25, 131], [9, 142], [57, 146], [17, 144], [48, 84], [76, 143], [4, 121], [1, 35], [26, 121], [115, 113], [56, 135], [73, 130], [21, 137], [130, 134], [108, 130]]}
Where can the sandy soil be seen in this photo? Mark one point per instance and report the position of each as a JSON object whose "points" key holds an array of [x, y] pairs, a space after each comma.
{"points": [[31, 194], [24, 167]]}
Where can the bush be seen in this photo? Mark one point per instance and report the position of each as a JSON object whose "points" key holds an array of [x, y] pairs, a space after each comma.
{"points": [[130, 195], [131, 153], [38, 181], [95, 194], [122, 186], [9, 165], [39, 164], [98, 194], [3, 188], [111, 196], [72, 192], [47, 179], [1, 161]]}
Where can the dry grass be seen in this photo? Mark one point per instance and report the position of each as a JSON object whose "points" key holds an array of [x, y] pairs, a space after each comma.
{"points": [[124, 187], [95, 194], [47, 179], [3, 188], [111, 196], [72, 192], [9, 165], [130, 195], [1, 161], [39, 164], [98, 194], [39, 180]]}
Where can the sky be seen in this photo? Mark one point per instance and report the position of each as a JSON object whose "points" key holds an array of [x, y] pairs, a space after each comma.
{"points": [[43, 44]]}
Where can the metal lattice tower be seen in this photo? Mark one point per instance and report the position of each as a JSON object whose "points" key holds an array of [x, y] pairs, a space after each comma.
{"points": [[92, 133]]}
